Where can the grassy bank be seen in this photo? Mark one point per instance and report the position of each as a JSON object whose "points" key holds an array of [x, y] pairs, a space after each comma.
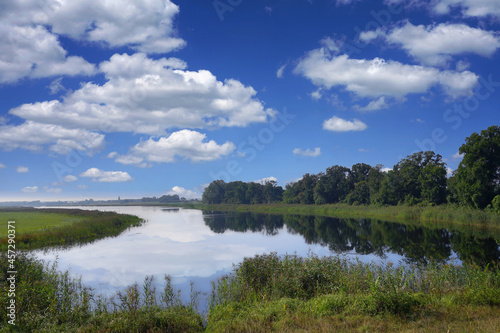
{"points": [[266, 293], [47, 300], [37, 228], [444, 214], [289, 294]]}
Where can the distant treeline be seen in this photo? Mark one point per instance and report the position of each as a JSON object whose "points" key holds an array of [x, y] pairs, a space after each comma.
{"points": [[420, 178]]}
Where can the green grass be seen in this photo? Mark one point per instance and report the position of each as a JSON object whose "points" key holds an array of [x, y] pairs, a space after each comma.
{"points": [[50, 301], [38, 228], [443, 215], [266, 293], [35, 221]]}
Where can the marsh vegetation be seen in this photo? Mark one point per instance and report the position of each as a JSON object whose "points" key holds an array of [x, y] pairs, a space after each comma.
{"points": [[267, 293], [38, 228]]}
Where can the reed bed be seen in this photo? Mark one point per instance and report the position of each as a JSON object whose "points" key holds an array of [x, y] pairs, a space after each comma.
{"points": [[271, 293], [266, 293]]}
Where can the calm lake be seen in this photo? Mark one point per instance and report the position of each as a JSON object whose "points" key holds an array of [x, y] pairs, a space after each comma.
{"points": [[196, 247]]}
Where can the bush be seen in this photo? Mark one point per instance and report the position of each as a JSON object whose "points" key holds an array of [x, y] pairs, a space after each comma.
{"points": [[495, 203]]}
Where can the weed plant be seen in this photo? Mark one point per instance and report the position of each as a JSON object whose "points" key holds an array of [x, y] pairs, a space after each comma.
{"points": [[272, 292], [50, 301]]}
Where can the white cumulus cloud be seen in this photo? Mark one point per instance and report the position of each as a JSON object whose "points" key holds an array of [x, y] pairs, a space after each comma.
{"points": [[473, 8], [186, 144], [33, 136], [184, 193], [22, 169], [107, 176], [436, 44], [30, 189], [265, 180], [308, 152], [144, 95], [337, 124], [377, 77], [70, 178]]}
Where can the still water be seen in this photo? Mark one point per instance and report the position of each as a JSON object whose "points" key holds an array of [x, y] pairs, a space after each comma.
{"points": [[196, 247]]}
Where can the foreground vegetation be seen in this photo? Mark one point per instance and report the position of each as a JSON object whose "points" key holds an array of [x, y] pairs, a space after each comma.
{"points": [[37, 228], [50, 301], [267, 293]]}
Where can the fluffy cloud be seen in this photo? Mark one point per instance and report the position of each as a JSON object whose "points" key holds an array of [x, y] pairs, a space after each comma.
{"points": [[474, 8], [30, 189], [376, 78], [434, 45], [143, 25], [106, 176], [185, 144], [22, 169], [2, 166], [184, 193], [32, 136], [143, 95], [30, 30], [70, 178], [337, 124], [265, 180], [34, 52], [308, 152]]}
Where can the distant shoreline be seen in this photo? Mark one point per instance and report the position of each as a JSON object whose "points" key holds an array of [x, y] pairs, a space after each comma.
{"points": [[443, 214]]}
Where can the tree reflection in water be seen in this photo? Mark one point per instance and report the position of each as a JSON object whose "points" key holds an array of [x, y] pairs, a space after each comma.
{"points": [[417, 244]]}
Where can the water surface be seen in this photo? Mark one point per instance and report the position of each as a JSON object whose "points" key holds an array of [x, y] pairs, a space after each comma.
{"points": [[194, 247]]}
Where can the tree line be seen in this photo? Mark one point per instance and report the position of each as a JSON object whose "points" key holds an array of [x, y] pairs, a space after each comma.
{"points": [[420, 178]]}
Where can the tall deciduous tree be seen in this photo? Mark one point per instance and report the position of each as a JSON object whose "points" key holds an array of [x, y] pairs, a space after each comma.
{"points": [[416, 178], [478, 174], [215, 192]]}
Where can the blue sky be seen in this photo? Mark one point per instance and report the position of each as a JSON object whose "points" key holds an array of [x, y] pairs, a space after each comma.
{"points": [[102, 99]]}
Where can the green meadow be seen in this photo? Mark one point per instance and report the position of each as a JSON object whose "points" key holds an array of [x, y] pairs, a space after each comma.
{"points": [[37, 228], [35, 221]]}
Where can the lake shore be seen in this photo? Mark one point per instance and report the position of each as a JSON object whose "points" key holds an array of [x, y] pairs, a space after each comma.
{"points": [[48, 227], [268, 293], [444, 215]]}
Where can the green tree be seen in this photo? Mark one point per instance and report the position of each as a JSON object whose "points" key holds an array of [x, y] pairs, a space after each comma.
{"points": [[307, 184], [375, 179], [332, 186], [478, 174], [416, 178], [272, 192], [255, 193], [360, 193], [235, 193], [214, 193], [291, 194]]}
